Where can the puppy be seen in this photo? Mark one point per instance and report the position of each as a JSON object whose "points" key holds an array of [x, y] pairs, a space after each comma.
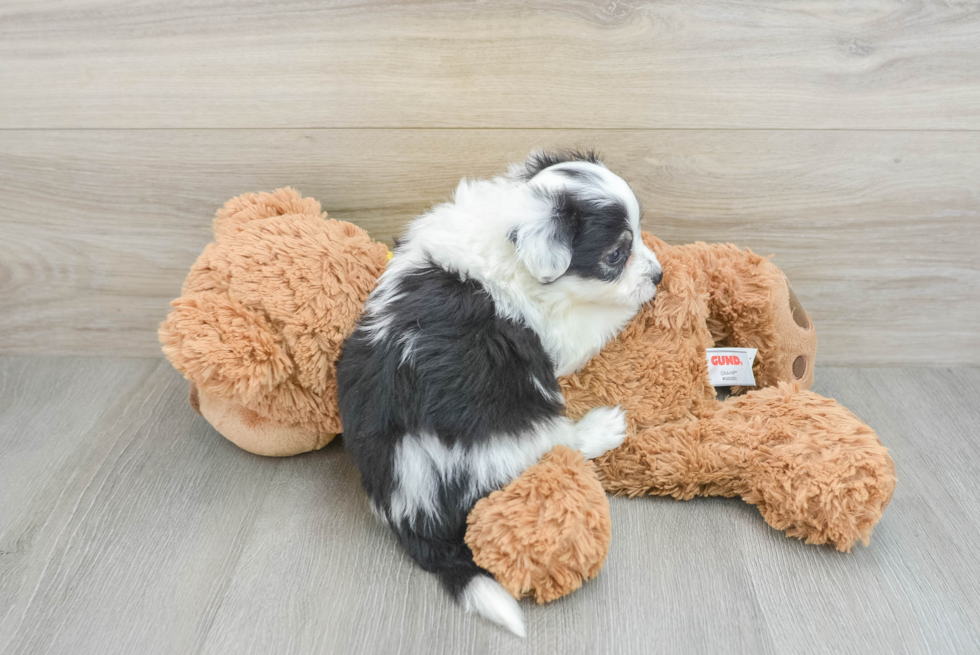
{"points": [[448, 387]]}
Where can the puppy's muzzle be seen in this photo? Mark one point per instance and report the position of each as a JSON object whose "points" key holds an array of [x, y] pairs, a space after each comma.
{"points": [[657, 275]]}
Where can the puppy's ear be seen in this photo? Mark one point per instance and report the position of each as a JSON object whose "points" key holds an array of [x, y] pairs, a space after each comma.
{"points": [[545, 244]]}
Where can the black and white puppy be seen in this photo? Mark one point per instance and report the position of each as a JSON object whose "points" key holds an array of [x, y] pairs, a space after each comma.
{"points": [[448, 387]]}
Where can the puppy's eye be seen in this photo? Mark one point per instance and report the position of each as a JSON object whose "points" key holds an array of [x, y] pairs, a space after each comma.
{"points": [[615, 257]]}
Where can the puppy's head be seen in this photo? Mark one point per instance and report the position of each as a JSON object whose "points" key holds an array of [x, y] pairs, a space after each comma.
{"points": [[584, 240]]}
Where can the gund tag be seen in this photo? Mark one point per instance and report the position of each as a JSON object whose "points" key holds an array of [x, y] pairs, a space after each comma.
{"points": [[729, 367]]}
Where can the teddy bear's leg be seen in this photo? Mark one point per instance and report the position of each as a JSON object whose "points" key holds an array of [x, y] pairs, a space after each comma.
{"points": [[669, 459], [546, 532], [752, 305], [814, 469]]}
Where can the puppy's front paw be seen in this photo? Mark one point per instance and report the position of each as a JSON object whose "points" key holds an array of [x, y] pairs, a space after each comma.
{"points": [[601, 430]]}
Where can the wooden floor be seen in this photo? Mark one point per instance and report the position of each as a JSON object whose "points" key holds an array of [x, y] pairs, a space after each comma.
{"points": [[127, 525]]}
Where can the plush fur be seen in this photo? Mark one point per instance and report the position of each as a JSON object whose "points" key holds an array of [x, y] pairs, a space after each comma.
{"points": [[813, 468], [263, 315], [547, 532], [448, 388]]}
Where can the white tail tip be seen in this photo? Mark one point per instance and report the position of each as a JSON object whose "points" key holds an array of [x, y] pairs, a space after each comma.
{"points": [[489, 599]]}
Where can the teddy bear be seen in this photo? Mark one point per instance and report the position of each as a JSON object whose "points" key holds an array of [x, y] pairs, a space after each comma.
{"points": [[266, 308], [262, 317], [814, 470]]}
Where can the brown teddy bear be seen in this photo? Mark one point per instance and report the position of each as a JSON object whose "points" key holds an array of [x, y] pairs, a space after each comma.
{"points": [[814, 469], [266, 308], [262, 317]]}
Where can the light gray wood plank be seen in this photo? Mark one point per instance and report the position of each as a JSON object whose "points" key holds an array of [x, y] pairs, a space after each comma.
{"points": [[673, 583], [316, 530], [123, 529], [373, 599], [48, 410], [876, 230], [916, 588], [547, 63], [135, 528]]}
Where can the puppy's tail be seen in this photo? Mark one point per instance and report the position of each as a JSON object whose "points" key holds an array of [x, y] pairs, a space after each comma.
{"points": [[468, 584], [489, 599]]}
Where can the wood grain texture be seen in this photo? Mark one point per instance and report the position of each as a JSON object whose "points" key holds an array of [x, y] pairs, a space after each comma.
{"points": [[128, 525], [878, 231], [894, 64], [123, 524]]}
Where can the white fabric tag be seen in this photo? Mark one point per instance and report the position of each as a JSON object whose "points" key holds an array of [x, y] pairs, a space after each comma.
{"points": [[729, 367]]}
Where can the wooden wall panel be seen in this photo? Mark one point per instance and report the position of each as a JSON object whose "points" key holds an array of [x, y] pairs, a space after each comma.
{"points": [[877, 64], [877, 230]]}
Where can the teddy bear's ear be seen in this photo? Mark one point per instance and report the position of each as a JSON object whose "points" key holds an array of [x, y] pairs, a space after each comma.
{"points": [[241, 210], [544, 242]]}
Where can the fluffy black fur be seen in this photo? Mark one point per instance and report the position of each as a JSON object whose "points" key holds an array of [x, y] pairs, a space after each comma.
{"points": [[598, 230], [592, 231], [469, 378], [469, 375], [538, 161]]}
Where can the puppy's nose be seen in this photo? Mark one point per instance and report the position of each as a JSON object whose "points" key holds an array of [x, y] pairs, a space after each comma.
{"points": [[657, 276]]}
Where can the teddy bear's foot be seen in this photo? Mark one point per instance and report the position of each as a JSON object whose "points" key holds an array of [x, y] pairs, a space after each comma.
{"points": [[814, 469], [252, 432], [546, 532], [816, 472]]}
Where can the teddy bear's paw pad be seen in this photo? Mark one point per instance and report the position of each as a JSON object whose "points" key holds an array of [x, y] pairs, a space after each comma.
{"points": [[601, 430], [546, 532]]}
